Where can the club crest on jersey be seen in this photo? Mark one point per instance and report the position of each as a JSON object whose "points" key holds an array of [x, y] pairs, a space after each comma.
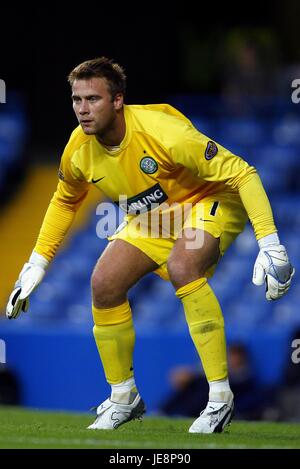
{"points": [[148, 165], [211, 150]]}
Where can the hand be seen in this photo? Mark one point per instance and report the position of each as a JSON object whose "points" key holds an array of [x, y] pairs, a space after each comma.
{"points": [[30, 277], [273, 267]]}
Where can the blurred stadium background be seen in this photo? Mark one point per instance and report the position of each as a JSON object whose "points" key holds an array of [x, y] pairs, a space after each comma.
{"points": [[234, 83]]}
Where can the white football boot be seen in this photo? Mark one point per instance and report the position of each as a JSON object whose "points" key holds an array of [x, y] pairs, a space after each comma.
{"points": [[110, 415], [214, 418]]}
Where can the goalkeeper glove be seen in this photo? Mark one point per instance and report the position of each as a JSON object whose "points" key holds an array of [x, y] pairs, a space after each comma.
{"points": [[31, 275], [273, 267]]}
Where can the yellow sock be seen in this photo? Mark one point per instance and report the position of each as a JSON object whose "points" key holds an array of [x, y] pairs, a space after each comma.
{"points": [[206, 325], [114, 335]]}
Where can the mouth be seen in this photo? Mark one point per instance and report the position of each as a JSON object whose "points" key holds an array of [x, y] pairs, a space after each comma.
{"points": [[86, 121]]}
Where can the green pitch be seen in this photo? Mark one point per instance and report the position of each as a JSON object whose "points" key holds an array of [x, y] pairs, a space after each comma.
{"points": [[32, 429]]}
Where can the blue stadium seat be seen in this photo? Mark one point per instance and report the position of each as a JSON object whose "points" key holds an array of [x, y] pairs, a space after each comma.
{"points": [[286, 130], [271, 180], [286, 312], [242, 131], [13, 134], [205, 126], [281, 157]]}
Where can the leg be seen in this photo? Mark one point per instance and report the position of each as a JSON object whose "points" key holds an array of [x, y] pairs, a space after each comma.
{"points": [[187, 269], [186, 265], [119, 268]]}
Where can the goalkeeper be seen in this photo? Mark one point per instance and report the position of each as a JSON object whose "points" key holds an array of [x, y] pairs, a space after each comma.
{"points": [[154, 156]]}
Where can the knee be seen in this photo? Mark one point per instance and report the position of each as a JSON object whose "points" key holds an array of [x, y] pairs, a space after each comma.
{"points": [[183, 270], [104, 291]]}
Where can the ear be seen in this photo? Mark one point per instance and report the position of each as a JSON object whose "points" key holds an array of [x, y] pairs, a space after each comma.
{"points": [[118, 101]]}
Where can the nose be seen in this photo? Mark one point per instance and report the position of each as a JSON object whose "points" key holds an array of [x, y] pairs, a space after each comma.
{"points": [[83, 108]]}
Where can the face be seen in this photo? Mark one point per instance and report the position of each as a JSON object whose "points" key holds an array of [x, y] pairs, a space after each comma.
{"points": [[94, 107]]}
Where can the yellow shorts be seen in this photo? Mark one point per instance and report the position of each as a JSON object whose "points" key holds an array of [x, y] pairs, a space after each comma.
{"points": [[222, 215]]}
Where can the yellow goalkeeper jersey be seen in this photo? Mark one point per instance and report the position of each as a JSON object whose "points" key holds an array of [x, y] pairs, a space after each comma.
{"points": [[162, 158]]}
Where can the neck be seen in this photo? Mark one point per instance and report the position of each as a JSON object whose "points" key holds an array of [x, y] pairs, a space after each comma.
{"points": [[115, 133]]}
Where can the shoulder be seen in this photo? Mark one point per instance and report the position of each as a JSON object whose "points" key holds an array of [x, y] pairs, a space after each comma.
{"points": [[161, 121], [77, 140], [153, 111]]}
